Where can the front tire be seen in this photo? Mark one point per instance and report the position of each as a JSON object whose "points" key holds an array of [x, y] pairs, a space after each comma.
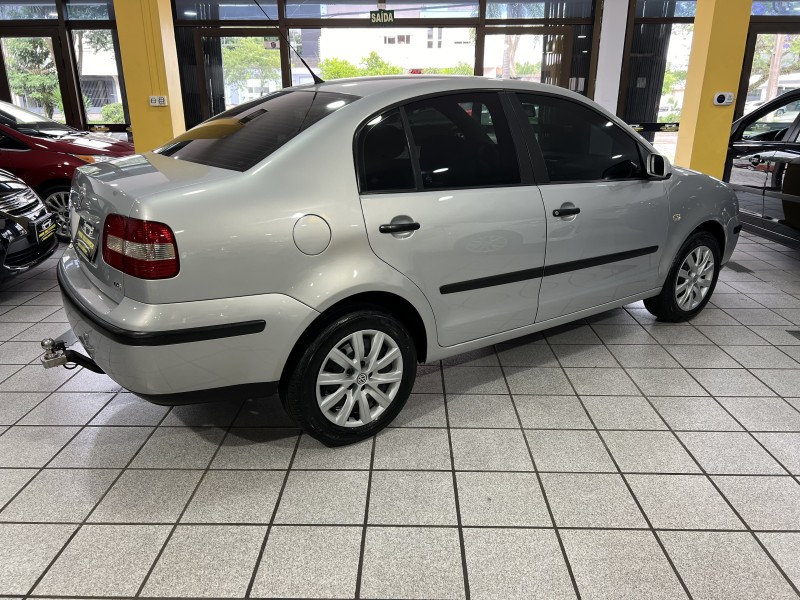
{"points": [[352, 379], [691, 280], [56, 199]]}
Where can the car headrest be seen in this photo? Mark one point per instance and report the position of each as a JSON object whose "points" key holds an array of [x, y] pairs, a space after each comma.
{"points": [[385, 141]]}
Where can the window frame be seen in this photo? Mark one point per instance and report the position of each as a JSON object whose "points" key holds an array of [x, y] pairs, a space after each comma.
{"points": [[526, 169], [537, 156]]}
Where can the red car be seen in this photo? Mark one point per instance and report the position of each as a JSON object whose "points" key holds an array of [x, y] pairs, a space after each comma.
{"points": [[45, 153]]}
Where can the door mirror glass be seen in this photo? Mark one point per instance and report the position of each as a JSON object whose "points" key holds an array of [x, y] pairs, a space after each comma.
{"points": [[656, 166]]}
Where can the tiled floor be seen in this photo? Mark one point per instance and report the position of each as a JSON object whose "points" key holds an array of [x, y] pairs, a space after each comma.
{"points": [[615, 458]]}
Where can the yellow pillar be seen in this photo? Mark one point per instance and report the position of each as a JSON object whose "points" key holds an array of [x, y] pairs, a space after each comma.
{"points": [[150, 66], [715, 65]]}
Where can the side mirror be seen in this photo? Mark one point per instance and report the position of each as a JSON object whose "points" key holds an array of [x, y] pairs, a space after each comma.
{"points": [[657, 167]]}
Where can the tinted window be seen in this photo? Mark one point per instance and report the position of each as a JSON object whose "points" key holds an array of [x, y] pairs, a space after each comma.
{"points": [[239, 138], [773, 125], [384, 157], [9, 143], [463, 140], [578, 143]]}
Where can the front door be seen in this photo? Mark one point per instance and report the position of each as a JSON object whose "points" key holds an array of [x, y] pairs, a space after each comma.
{"points": [[606, 223], [455, 212]]}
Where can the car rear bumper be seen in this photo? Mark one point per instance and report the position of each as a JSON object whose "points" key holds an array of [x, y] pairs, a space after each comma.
{"points": [[212, 344]]}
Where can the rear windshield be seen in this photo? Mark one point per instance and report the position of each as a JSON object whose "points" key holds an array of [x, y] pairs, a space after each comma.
{"points": [[243, 136]]}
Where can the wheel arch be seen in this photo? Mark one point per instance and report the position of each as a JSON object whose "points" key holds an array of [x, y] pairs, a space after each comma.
{"points": [[52, 182], [715, 229]]}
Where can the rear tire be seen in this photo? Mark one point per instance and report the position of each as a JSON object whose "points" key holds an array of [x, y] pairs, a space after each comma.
{"points": [[691, 280], [352, 379]]}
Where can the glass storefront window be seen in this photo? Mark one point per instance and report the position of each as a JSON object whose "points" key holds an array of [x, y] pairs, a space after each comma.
{"points": [[767, 8], [539, 9], [414, 9], [90, 10], [32, 75], [775, 69], [98, 74], [336, 53], [33, 9], [224, 10], [666, 8]]}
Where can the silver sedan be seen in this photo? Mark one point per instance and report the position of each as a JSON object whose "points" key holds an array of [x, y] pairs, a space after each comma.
{"points": [[329, 238]]}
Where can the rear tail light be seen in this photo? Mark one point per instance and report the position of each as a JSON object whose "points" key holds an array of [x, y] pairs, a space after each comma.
{"points": [[144, 249]]}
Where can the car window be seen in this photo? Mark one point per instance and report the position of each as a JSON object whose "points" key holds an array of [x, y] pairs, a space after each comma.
{"points": [[241, 137], [773, 125], [579, 144], [384, 155], [463, 140], [9, 143]]}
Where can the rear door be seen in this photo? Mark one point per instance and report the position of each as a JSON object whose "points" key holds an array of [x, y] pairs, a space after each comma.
{"points": [[781, 213], [606, 223], [456, 211]]}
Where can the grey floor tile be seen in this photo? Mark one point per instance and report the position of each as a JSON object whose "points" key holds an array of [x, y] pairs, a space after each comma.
{"points": [[666, 382], [429, 380], [408, 448], [763, 414], [19, 353], [538, 381], [263, 412], [591, 500], [206, 561], [728, 335], [643, 356], [30, 314], [724, 565], [474, 380], [179, 448], [785, 549], [12, 330], [483, 357], [309, 562], [312, 454], [412, 562], [676, 334], [572, 333], [776, 335], [551, 412], [624, 334], [568, 451], [649, 452], [695, 413], [59, 495], [601, 382], [754, 287], [756, 316], [102, 447], [622, 412], [33, 378], [235, 497], [36, 333], [584, 355], [66, 409], [714, 316], [507, 563], [702, 357], [481, 411], [781, 300], [128, 409], [764, 502], [324, 498], [761, 357], [104, 560], [682, 502], [785, 447], [521, 354], [628, 565], [251, 448], [490, 450], [12, 480], [210, 414], [412, 498], [87, 381], [784, 382], [422, 410], [147, 497], [729, 453], [730, 382], [615, 316], [32, 446], [25, 552], [501, 500], [13, 405]]}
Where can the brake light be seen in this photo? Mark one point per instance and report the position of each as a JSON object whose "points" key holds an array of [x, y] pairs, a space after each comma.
{"points": [[144, 249]]}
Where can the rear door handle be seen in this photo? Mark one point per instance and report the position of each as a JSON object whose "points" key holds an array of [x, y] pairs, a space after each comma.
{"points": [[566, 212], [398, 227]]}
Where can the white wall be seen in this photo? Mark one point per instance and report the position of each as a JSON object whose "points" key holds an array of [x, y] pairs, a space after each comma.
{"points": [[609, 56]]}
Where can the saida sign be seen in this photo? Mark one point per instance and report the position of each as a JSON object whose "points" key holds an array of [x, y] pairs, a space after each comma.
{"points": [[381, 17]]}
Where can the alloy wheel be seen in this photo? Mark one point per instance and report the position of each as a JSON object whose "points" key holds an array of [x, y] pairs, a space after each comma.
{"points": [[359, 378], [694, 278], [58, 204]]}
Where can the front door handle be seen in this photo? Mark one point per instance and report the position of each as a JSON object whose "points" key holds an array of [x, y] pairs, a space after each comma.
{"points": [[566, 212], [755, 160], [398, 227]]}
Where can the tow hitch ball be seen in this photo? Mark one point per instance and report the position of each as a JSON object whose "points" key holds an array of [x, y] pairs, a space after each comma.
{"points": [[56, 354]]}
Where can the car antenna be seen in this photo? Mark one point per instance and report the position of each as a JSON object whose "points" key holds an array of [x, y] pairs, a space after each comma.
{"points": [[314, 76]]}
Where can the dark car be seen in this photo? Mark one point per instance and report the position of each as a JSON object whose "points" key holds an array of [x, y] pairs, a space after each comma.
{"points": [[27, 229], [763, 166], [45, 153]]}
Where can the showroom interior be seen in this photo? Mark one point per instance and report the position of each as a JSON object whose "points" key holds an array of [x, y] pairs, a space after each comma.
{"points": [[613, 454]]}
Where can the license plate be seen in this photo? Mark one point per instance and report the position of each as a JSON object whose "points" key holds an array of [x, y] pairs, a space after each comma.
{"points": [[85, 239], [44, 228]]}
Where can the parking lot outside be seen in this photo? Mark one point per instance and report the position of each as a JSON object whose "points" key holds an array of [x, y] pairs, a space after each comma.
{"points": [[617, 456]]}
